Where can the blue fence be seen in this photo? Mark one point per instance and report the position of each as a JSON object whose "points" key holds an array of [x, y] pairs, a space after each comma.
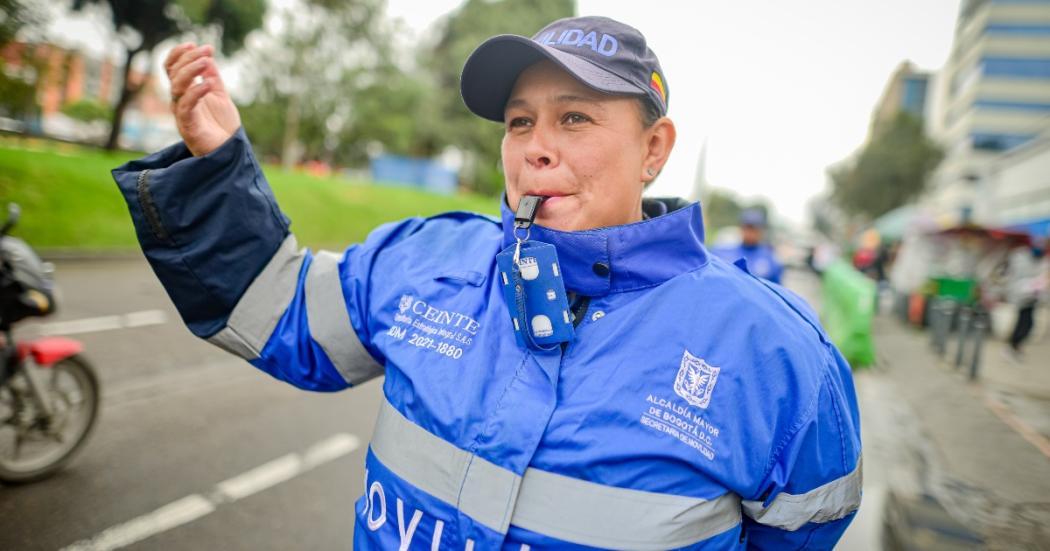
{"points": [[421, 173]]}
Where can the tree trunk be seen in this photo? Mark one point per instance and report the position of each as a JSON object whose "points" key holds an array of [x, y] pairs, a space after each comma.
{"points": [[290, 149], [127, 93]]}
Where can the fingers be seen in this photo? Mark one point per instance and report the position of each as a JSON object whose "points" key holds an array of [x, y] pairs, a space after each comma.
{"points": [[175, 53], [189, 100], [184, 77], [211, 73], [187, 58], [192, 55]]}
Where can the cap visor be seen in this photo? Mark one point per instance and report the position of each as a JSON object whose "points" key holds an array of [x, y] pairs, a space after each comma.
{"points": [[491, 71]]}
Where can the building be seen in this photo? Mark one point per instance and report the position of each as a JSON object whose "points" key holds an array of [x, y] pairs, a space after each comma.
{"points": [[906, 91], [1018, 188], [992, 96], [64, 76]]}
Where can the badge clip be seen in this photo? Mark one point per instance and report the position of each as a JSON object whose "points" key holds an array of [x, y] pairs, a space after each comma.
{"points": [[528, 206]]}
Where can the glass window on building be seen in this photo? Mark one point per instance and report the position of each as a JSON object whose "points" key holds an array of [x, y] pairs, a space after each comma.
{"points": [[988, 141], [1013, 67]]}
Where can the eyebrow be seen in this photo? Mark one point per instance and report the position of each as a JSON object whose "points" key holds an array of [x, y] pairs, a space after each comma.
{"points": [[564, 98]]}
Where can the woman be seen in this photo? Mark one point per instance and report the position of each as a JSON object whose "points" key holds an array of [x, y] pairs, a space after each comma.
{"points": [[681, 402]]}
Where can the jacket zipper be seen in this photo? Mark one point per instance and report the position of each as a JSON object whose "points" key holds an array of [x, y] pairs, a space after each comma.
{"points": [[149, 208]]}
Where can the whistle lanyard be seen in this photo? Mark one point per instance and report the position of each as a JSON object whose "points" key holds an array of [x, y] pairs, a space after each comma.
{"points": [[528, 207], [533, 286]]}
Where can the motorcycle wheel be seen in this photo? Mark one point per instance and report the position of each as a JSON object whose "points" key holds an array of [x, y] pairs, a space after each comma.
{"points": [[33, 447]]}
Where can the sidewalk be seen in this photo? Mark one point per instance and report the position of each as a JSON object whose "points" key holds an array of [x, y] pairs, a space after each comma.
{"points": [[1022, 386], [939, 458], [974, 448]]}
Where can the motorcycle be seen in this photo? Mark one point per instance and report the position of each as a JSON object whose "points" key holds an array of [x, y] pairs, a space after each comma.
{"points": [[49, 394]]}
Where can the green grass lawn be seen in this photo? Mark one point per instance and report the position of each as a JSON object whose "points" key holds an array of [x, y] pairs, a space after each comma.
{"points": [[69, 200]]}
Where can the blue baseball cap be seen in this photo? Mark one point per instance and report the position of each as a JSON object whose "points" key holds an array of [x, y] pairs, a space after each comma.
{"points": [[603, 54], [752, 217]]}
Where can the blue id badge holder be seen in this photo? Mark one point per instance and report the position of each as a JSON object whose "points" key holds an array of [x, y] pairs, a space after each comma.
{"points": [[533, 285]]}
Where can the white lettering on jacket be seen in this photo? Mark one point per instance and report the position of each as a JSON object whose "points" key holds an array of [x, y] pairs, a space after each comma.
{"points": [[442, 317], [376, 523], [406, 533]]}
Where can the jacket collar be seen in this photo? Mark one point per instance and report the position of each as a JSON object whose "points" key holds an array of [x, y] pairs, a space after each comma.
{"points": [[628, 257]]}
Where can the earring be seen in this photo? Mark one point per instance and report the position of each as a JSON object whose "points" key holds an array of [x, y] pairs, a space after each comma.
{"points": [[650, 172]]}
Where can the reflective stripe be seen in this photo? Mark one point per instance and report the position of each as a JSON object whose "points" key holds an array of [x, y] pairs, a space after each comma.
{"points": [[262, 305], [329, 322], [592, 514], [562, 507], [826, 503], [480, 489]]}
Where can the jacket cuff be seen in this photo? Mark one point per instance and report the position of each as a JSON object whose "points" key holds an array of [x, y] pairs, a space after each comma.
{"points": [[208, 225]]}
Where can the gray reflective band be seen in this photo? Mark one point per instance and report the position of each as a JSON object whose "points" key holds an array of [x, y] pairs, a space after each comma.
{"points": [[262, 305], [329, 322], [443, 470], [604, 516], [829, 502], [555, 505]]}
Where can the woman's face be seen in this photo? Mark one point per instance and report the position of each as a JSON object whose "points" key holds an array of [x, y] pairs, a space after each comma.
{"points": [[587, 151]]}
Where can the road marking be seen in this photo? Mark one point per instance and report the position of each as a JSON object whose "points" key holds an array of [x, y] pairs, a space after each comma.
{"points": [[174, 514], [329, 449], [195, 506], [103, 323], [261, 477]]}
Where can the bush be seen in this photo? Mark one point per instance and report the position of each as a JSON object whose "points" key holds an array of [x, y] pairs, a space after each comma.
{"points": [[87, 111]]}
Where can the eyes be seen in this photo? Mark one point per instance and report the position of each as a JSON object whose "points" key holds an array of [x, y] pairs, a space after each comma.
{"points": [[571, 118]]}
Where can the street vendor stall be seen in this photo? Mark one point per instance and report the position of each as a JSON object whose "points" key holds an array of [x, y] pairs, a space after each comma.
{"points": [[961, 263]]}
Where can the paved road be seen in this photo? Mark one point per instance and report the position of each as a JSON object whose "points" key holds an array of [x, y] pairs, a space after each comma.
{"points": [[266, 466]]}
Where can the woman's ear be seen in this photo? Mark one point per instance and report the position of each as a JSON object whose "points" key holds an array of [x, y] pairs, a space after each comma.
{"points": [[659, 141]]}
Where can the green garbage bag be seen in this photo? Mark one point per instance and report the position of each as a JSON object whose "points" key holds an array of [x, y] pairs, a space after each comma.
{"points": [[848, 308]]}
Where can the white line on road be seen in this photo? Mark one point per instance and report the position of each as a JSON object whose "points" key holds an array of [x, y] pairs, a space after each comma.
{"points": [[329, 449], [261, 477], [103, 323], [174, 514], [195, 506]]}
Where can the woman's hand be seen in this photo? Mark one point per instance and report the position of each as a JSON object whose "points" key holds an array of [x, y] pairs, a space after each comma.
{"points": [[204, 113]]}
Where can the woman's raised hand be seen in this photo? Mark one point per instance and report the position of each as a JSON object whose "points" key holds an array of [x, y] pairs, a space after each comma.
{"points": [[204, 113]]}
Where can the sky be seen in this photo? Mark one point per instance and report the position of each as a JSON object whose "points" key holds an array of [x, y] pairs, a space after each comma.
{"points": [[777, 91]]}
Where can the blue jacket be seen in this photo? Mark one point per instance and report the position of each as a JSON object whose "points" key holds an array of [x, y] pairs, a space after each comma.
{"points": [[697, 407], [759, 258]]}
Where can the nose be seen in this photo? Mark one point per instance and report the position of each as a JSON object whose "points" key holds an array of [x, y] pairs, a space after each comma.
{"points": [[540, 152]]}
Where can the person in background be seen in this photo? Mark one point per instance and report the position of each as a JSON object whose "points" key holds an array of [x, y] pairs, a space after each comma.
{"points": [[1028, 274], [760, 258]]}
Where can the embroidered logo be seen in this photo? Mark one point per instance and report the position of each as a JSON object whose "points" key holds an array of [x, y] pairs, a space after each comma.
{"points": [[696, 380], [406, 303]]}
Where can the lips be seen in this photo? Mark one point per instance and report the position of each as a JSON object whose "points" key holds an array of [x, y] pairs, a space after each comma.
{"points": [[552, 199]]}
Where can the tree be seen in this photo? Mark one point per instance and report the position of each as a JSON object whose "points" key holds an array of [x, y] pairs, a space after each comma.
{"points": [[891, 170], [462, 31], [143, 24], [721, 209], [319, 61], [14, 16]]}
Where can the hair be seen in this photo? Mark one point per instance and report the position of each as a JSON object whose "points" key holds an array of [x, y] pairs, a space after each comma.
{"points": [[649, 110]]}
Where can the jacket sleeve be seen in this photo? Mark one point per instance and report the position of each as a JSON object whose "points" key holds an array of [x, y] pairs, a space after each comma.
{"points": [[813, 489], [211, 229]]}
